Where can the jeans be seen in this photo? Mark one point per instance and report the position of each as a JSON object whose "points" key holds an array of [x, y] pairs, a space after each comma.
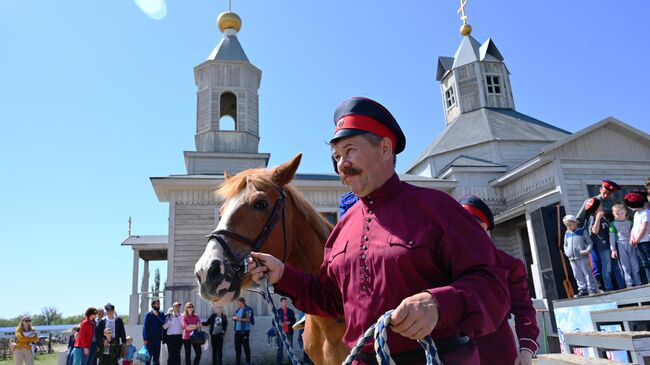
{"points": [[174, 344], [280, 344], [605, 257], [69, 359], [241, 340], [79, 357], [154, 350], [188, 352], [92, 356], [217, 349], [643, 248], [618, 274]]}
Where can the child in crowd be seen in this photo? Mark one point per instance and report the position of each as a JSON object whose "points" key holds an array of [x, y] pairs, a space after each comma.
{"points": [[108, 350], [599, 231], [577, 246], [129, 351], [619, 233], [73, 336], [639, 238]]}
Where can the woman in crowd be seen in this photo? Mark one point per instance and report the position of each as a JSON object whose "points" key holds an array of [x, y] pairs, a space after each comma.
{"points": [[26, 335], [191, 323], [218, 325], [85, 339], [174, 327]]}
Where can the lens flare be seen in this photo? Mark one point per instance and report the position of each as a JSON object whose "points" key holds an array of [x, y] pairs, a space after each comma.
{"points": [[155, 9]]}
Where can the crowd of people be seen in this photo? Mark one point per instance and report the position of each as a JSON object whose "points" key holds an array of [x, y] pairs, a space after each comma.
{"points": [[178, 330], [605, 244], [184, 330], [101, 338]]}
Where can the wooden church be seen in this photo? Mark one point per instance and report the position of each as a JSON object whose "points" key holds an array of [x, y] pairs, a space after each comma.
{"points": [[525, 169]]}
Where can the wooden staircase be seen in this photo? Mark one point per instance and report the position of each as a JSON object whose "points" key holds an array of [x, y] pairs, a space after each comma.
{"points": [[633, 317]]}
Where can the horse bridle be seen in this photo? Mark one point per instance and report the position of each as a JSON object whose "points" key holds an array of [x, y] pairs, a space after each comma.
{"points": [[256, 245]]}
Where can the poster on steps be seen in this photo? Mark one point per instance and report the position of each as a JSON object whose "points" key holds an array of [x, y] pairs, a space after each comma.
{"points": [[578, 319]]}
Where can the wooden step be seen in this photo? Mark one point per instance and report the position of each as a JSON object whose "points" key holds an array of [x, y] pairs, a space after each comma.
{"points": [[559, 359], [635, 341], [626, 314]]}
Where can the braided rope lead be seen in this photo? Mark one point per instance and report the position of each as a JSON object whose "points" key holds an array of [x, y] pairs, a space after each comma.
{"points": [[379, 333], [266, 294]]}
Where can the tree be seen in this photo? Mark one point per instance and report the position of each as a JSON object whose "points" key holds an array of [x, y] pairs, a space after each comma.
{"points": [[155, 287], [12, 322], [50, 315]]}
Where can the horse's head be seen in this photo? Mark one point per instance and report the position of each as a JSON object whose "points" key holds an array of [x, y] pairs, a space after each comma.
{"points": [[251, 217]]}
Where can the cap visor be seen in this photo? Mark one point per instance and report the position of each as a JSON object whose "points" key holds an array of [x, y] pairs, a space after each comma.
{"points": [[343, 133]]}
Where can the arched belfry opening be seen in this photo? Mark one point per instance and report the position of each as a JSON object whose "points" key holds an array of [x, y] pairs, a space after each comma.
{"points": [[228, 112]]}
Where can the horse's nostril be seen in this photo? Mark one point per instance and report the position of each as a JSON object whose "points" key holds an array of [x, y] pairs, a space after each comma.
{"points": [[215, 269], [198, 277]]}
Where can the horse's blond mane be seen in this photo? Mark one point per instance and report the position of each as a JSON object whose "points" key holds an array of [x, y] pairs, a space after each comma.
{"points": [[261, 179], [317, 221]]}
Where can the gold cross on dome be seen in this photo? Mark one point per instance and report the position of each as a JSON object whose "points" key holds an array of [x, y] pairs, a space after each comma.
{"points": [[461, 11]]}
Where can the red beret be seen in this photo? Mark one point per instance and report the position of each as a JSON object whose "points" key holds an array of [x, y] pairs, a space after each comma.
{"points": [[635, 200], [611, 186]]}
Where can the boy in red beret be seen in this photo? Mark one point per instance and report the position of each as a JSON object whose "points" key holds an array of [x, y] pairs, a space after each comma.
{"points": [[637, 201]]}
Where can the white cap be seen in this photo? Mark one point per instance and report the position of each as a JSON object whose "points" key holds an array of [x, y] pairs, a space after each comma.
{"points": [[569, 218]]}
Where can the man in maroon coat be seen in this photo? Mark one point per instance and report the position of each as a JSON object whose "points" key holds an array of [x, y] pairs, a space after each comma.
{"points": [[499, 346], [400, 247]]}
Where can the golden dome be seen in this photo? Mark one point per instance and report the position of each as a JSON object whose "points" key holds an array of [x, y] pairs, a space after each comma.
{"points": [[465, 30], [229, 20]]}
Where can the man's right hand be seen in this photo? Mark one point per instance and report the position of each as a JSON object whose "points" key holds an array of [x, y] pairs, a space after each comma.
{"points": [[269, 265], [86, 351], [146, 342]]}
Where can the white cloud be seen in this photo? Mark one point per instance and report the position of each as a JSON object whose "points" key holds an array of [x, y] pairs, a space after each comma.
{"points": [[155, 9]]}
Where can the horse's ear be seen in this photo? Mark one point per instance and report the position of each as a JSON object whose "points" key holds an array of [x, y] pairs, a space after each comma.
{"points": [[284, 173], [226, 175]]}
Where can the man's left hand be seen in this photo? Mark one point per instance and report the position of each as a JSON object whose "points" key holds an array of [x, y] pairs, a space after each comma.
{"points": [[524, 358], [415, 317]]}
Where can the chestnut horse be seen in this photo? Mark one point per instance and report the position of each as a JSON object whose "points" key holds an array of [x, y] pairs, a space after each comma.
{"points": [[260, 203]]}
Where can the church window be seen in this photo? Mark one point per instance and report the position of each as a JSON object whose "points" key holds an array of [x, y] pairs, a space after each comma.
{"points": [[228, 112], [493, 84], [450, 98]]}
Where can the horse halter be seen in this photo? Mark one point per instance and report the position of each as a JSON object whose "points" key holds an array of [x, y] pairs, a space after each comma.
{"points": [[278, 209]]}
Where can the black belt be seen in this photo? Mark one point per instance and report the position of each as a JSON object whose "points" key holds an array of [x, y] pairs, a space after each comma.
{"points": [[443, 345]]}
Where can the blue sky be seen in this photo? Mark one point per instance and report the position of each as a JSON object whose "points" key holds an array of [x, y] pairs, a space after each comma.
{"points": [[97, 96]]}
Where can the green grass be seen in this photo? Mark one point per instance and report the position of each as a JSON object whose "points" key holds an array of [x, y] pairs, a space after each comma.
{"points": [[39, 359]]}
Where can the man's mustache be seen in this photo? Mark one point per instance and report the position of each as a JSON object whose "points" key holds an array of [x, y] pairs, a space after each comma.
{"points": [[350, 171]]}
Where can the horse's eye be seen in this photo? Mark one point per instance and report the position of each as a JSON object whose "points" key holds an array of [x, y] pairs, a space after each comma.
{"points": [[261, 205]]}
